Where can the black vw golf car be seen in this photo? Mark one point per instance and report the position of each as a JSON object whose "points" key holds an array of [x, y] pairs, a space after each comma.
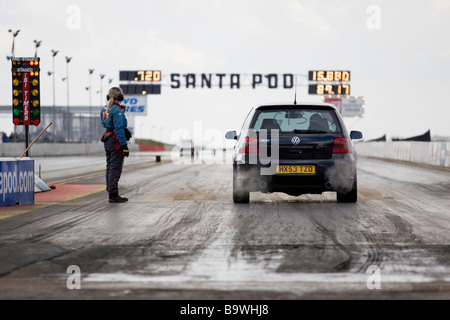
{"points": [[295, 149]]}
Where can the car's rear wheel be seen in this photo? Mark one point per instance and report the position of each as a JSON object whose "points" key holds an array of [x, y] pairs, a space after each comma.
{"points": [[240, 192], [349, 196]]}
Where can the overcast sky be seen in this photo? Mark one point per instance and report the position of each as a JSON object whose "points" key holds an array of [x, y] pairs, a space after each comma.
{"points": [[397, 51]]}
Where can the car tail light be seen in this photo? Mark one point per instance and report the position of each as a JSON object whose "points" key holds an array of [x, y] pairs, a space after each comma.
{"points": [[341, 145], [250, 146]]}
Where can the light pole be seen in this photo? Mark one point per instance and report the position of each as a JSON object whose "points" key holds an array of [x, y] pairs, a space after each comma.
{"points": [[37, 44], [67, 76], [14, 33], [90, 90], [98, 92], [69, 118], [101, 88], [151, 131], [160, 134], [54, 53], [91, 71]]}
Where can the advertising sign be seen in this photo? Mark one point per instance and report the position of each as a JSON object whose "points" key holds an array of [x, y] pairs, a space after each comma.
{"points": [[353, 106], [348, 106], [136, 105], [16, 182]]}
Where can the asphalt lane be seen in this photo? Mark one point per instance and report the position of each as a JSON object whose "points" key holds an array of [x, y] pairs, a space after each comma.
{"points": [[180, 236]]}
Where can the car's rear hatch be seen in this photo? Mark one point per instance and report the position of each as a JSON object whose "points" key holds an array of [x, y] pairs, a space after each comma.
{"points": [[293, 146], [305, 147]]}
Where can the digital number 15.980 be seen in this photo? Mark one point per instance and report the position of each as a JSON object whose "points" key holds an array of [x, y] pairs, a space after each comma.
{"points": [[330, 76]]}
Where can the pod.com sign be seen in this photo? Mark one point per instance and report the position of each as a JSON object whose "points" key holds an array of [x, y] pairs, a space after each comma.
{"points": [[16, 182]]}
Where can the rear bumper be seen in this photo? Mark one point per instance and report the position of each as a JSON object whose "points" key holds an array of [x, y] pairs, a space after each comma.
{"points": [[331, 175]]}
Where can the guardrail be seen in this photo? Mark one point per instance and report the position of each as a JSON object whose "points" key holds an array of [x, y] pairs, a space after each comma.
{"points": [[429, 153]]}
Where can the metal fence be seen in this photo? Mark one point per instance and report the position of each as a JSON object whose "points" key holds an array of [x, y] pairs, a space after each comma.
{"points": [[77, 124]]}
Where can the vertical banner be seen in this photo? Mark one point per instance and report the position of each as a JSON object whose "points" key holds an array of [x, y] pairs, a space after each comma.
{"points": [[26, 97]]}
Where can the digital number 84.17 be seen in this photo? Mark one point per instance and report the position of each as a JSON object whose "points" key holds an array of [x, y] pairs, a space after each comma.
{"points": [[333, 89]]}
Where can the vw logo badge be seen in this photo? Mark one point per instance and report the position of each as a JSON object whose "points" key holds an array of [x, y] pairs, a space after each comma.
{"points": [[295, 140]]}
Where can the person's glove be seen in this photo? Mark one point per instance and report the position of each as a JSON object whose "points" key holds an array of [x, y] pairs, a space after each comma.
{"points": [[128, 134], [125, 151]]}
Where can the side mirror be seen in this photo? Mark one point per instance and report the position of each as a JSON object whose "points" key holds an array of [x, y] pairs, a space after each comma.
{"points": [[356, 135], [231, 135]]}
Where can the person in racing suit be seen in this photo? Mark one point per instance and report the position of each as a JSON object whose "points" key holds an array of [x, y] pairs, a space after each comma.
{"points": [[115, 140]]}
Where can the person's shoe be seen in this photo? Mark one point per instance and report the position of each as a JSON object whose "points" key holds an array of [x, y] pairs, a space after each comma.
{"points": [[117, 199]]}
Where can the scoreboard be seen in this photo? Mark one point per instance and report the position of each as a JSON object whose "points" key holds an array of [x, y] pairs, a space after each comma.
{"points": [[329, 82], [321, 75], [140, 82], [140, 75], [333, 89]]}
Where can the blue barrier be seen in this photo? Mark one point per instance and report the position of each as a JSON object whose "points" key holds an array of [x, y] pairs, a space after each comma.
{"points": [[16, 182]]}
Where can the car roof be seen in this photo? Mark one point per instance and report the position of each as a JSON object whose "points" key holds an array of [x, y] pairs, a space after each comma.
{"points": [[301, 105]]}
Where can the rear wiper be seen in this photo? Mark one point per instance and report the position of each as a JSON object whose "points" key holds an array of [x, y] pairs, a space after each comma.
{"points": [[309, 131]]}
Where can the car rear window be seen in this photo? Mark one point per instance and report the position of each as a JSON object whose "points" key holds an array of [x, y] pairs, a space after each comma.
{"points": [[299, 121]]}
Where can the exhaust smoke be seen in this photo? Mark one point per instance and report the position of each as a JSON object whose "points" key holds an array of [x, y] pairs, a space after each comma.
{"points": [[341, 176]]}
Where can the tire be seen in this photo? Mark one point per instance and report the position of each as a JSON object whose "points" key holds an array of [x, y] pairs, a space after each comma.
{"points": [[349, 197], [240, 193]]}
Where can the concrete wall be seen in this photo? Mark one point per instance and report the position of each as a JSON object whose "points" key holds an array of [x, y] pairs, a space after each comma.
{"points": [[430, 153], [55, 149]]}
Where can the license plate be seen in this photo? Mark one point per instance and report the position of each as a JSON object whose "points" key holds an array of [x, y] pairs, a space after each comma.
{"points": [[298, 169]]}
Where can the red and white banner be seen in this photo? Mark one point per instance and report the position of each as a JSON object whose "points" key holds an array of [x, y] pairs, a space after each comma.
{"points": [[337, 102]]}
